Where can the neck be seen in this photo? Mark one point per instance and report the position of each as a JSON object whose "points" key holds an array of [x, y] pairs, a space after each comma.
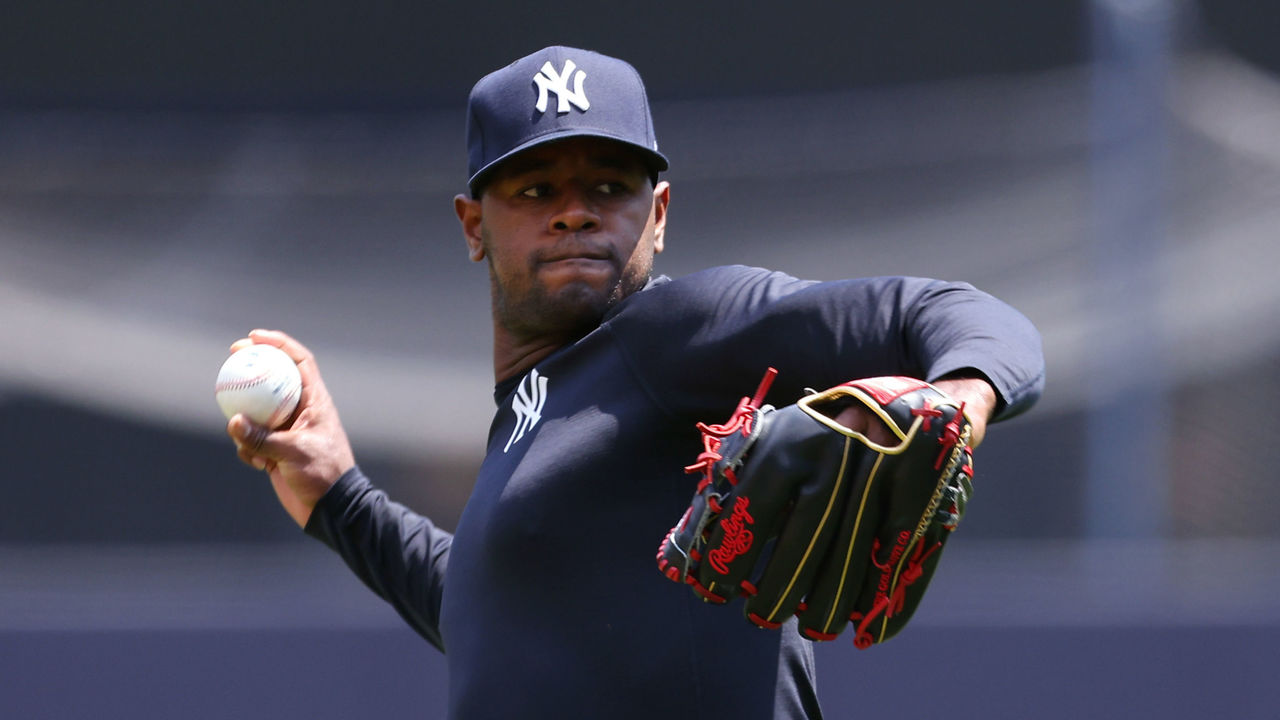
{"points": [[514, 356]]}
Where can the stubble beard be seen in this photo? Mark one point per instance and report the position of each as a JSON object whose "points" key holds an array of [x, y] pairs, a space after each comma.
{"points": [[564, 315]]}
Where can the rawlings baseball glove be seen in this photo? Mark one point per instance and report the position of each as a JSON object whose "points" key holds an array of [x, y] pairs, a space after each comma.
{"points": [[806, 517]]}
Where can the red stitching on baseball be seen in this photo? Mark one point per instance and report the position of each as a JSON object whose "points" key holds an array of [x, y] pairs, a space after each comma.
{"points": [[240, 384]]}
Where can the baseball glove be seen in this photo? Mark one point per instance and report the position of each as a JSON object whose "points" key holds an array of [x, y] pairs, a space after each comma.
{"points": [[806, 517]]}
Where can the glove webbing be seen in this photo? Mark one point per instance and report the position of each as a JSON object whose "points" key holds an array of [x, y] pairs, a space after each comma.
{"points": [[713, 435]]}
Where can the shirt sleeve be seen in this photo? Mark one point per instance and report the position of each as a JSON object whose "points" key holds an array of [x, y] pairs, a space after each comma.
{"points": [[956, 327], [397, 553], [707, 338]]}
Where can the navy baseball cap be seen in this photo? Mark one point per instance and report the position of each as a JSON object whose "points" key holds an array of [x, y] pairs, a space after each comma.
{"points": [[553, 94]]}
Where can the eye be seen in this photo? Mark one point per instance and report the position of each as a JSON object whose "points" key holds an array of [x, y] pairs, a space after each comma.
{"points": [[538, 190], [611, 188]]}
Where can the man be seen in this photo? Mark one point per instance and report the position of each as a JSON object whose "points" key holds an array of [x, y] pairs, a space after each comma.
{"points": [[546, 600]]}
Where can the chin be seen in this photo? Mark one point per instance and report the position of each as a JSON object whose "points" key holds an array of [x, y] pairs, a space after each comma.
{"points": [[572, 311], [582, 306]]}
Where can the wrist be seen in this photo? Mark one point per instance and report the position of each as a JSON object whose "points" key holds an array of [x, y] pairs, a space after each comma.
{"points": [[978, 397]]}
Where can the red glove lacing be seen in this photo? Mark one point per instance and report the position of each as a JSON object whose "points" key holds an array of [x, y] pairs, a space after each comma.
{"points": [[890, 604], [713, 435]]}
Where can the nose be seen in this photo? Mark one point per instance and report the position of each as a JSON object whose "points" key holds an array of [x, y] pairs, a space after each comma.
{"points": [[575, 214]]}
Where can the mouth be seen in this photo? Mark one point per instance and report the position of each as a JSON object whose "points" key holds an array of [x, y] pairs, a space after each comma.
{"points": [[575, 262], [575, 257]]}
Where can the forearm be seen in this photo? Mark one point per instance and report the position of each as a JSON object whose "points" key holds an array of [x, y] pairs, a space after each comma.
{"points": [[397, 553], [960, 333]]}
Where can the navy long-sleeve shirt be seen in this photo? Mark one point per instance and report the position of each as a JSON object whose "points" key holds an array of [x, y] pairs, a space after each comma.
{"points": [[547, 600]]}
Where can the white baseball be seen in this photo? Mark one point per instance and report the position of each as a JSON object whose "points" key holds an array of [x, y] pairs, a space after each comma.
{"points": [[261, 382]]}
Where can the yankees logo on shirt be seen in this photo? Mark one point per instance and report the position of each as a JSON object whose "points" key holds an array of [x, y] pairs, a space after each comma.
{"points": [[548, 80], [527, 405]]}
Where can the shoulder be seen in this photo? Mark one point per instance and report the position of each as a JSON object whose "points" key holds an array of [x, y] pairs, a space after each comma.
{"points": [[756, 284], [728, 277], [715, 289], [729, 294]]}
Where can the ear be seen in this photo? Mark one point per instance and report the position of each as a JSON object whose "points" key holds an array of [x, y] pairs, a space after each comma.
{"points": [[661, 197], [468, 211]]}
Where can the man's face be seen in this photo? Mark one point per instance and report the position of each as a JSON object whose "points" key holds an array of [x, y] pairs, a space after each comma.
{"points": [[569, 229]]}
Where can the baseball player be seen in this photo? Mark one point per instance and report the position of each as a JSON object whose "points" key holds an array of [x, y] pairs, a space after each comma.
{"points": [[546, 600]]}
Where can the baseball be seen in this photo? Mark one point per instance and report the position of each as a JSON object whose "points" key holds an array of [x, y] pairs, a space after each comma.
{"points": [[261, 382]]}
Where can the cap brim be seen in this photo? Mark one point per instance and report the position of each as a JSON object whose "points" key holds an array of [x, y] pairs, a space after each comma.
{"points": [[654, 159]]}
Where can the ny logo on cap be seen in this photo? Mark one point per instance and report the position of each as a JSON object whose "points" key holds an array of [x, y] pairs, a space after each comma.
{"points": [[558, 83]]}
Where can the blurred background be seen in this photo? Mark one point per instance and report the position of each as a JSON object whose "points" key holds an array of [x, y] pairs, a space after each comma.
{"points": [[175, 174]]}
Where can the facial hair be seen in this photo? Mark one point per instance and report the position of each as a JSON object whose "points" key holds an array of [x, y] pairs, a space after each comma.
{"points": [[566, 314]]}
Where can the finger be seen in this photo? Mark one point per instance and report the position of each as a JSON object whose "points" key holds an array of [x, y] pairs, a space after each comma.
{"points": [[859, 419], [284, 341], [312, 383], [241, 344], [251, 438], [247, 457]]}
